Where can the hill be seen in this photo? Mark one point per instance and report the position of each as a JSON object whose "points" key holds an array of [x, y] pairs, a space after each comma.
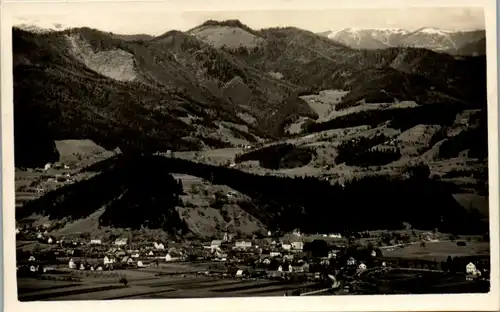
{"points": [[317, 63], [138, 196], [73, 85], [273, 128]]}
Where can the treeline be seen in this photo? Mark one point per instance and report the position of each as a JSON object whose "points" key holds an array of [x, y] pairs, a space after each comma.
{"points": [[360, 152], [278, 156], [313, 205], [400, 118], [139, 194], [475, 140]]}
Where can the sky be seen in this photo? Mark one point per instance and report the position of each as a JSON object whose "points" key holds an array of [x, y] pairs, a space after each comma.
{"points": [[156, 23]]}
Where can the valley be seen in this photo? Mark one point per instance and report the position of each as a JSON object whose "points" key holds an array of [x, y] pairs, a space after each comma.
{"points": [[227, 145]]}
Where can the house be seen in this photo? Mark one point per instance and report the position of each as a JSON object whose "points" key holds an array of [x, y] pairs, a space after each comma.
{"points": [[71, 264], [286, 246], [332, 254], [325, 262], [18, 231], [159, 246], [296, 232], [266, 261], [215, 243], [39, 236], [50, 240], [151, 253], [82, 266], [95, 242], [470, 268], [288, 258], [274, 254], [362, 267], [31, 259], [298, 246], [305, 267], [373, 253], [140, 264], [108, 260], [136, 255], [32, 268], [351, 261], [242, 244], [121, 242], [280, 269], [207, 245], [269, 233], [173, 255], [290, 268], [99, 268]]}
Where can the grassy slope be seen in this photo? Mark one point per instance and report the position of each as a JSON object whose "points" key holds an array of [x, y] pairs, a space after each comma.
{"points": [[58, 97]]}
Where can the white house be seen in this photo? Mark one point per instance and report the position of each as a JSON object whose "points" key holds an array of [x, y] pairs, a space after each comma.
{"points": [[99, 268], [470, 268], [274, 254], [82, 267], [362, 267], [39, 236], [280, 269], [140, 264], [151, 253], [95, 242], [47, 166], [31, 259], [121, 242], [18, 231], [373, 253], [332, 254], [71, 264], [290, 268], [108, 260], [286, 246], [266, 261], [298, 246], [173, 256], [243, 244], [50, 240], [32, 268], [159, 246], [136, 255], [269, 233]]}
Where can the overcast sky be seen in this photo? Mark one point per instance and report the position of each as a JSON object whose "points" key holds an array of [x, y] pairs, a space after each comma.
{"points": [[314, 20]]}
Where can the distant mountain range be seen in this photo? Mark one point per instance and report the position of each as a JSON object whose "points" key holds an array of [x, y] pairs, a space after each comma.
{"points": [[453, 42]]}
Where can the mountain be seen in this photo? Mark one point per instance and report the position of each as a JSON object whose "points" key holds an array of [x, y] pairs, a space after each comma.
{"points": [[378, 136], [430, 38], [173, 92]]}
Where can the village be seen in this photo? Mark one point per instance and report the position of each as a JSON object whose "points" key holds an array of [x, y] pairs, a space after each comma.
{"points": [[295, 264]]}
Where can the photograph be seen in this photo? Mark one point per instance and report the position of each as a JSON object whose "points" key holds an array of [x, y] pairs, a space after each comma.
{"points": [[239, 153]]}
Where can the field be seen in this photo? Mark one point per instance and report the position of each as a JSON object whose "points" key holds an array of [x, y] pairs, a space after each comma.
{"points": [[416, 281], [149, 283], [439, 251]]}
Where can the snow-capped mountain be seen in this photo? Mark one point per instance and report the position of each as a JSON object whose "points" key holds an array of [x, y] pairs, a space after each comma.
{"points": [[430, 38], [39, 26]]}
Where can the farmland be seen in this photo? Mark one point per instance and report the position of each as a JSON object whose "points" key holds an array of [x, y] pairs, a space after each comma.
{"points": [[150, 283]]}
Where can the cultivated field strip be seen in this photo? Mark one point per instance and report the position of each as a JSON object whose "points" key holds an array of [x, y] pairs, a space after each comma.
{"points": [[50, 294]]}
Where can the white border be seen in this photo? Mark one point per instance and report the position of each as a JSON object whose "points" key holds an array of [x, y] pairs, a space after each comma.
{"points": [[472, 302]]}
